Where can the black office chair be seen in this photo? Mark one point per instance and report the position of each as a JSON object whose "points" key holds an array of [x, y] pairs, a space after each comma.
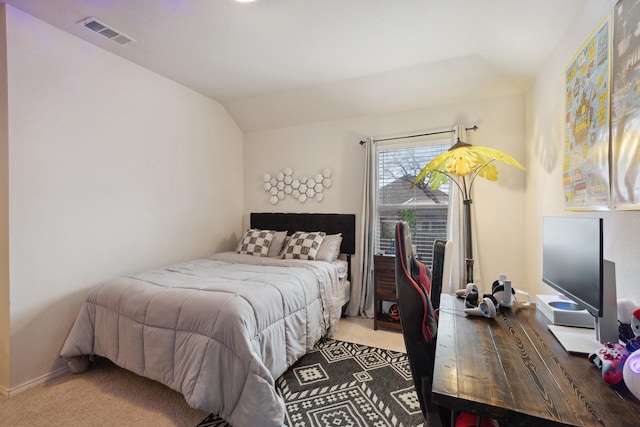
{"points": [[419, 323]]}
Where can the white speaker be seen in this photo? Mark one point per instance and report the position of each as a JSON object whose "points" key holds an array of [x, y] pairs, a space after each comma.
{"points": [[631, 373]]}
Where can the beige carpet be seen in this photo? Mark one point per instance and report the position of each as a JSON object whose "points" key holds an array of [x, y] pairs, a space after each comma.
{"points": [[109, 396]]}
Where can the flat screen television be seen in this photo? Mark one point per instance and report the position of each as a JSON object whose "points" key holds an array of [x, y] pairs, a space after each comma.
{"points": [[573, 264]]}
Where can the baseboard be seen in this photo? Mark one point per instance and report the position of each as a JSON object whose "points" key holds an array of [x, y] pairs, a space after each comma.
{"points": [[36, 381]]}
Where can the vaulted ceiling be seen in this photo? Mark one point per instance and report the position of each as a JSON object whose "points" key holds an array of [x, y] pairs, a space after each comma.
{"points": [[275, 63]]}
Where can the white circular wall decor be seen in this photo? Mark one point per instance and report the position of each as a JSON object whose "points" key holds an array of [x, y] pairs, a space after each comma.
{"points": [[283, 184]]}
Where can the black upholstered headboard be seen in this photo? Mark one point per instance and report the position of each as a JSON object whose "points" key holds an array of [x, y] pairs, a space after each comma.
{"points": [[330, 223]]}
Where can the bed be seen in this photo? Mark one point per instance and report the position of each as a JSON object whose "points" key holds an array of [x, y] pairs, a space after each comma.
{"points": [[221, 330]]}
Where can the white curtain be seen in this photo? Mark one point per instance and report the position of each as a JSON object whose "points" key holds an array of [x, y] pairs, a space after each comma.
{"points": [[456, 235], [362, 292]]}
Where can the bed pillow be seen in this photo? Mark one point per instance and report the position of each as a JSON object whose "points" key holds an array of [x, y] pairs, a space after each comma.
{"points": [[256, 242], [304, 245], [277, 244], [341, 267], [285, 244], [330, 248]]}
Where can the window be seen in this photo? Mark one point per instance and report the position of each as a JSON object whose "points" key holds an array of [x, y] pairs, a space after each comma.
{"points": [[398, 166]]}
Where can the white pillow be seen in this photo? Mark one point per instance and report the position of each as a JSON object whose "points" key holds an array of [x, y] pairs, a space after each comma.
{"points": [[304, 245], [341, 266], [277, 244], [256, 242], [330, 248]]}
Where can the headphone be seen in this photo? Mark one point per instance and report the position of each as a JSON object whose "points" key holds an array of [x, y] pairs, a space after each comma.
{"points": [[471, 295]]}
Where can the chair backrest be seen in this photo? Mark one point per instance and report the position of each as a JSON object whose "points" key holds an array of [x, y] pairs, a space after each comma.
{"points": [[417, 316], [437, 269]]}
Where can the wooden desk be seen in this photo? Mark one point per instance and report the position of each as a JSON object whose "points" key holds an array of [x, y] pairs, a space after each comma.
{"points": [[512, 368]]}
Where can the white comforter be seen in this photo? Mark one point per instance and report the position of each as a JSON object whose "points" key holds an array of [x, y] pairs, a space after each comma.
{"points": [[218, 330]]}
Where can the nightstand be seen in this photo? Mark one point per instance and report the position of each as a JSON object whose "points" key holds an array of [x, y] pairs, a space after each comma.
{"points": [[384, 283]]}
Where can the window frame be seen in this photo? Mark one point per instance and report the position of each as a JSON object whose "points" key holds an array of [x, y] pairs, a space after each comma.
{"points": [[387, 211]]}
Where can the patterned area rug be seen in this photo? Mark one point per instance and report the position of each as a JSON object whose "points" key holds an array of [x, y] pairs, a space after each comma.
{"points": [[344, 384]]}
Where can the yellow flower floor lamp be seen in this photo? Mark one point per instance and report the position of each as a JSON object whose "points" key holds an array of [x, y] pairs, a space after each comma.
{"points": [[462, 164]]}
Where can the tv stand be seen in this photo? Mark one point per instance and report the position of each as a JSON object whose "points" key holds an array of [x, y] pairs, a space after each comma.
{"points": [[576, 340], [606, 326]]}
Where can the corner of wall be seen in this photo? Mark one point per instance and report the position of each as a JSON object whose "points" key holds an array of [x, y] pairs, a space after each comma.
{"points": [[4, 209]]}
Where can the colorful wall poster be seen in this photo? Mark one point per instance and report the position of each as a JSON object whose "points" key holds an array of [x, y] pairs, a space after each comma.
{"points": [[586, 160], [625, 106]]}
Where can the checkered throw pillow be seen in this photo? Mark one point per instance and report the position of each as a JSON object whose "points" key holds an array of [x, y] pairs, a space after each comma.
{"points": [[256, 242], [304, 245]]}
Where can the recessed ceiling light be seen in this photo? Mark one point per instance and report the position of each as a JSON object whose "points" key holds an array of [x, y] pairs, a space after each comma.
{"points": [[245, 1]]}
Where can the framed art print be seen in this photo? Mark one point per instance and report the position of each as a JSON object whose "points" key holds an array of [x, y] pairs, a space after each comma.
{"points": [[587, 107], [625, 106]]}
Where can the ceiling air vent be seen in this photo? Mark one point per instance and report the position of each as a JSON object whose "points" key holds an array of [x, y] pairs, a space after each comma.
{"points": [[101, 28]]}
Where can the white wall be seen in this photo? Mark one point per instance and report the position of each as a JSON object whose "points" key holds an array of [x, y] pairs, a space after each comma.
{"points": [[545, 150], [112, 169], [307, 149], [4, 210]]}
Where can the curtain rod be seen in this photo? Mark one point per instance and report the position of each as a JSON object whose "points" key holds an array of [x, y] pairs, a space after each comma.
{"points": [[422, 134]]}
